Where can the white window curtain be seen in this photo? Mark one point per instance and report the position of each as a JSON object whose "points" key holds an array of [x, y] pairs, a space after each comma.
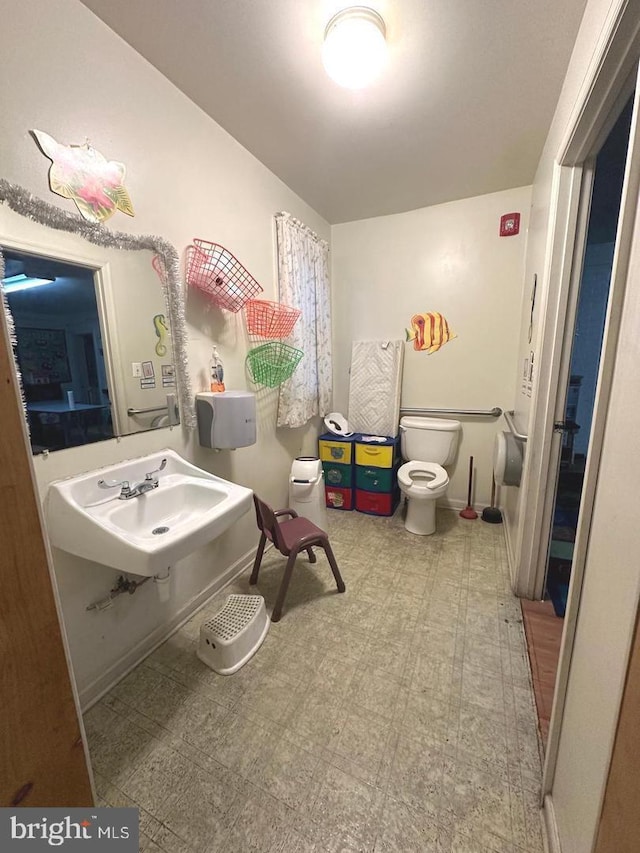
{"points": [[303, 282]]}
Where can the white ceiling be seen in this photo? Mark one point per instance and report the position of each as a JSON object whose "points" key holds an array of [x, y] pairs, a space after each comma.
{"points": [[463, 108]]}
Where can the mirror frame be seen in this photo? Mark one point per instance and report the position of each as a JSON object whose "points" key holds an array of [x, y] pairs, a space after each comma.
{"points": [[21, 201]]}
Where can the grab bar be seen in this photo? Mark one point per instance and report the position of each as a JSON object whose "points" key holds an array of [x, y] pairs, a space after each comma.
{"points": [[509, 416], [147, 411], [485, 413], [171, 408]]}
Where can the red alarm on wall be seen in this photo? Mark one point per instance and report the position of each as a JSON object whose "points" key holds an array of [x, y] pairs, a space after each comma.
{"points": [[509, 224]]}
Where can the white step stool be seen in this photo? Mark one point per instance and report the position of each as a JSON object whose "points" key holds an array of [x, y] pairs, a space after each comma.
{"points": [[231, 637]]}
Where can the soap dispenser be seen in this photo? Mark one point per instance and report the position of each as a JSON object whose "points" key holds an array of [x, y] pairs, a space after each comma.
{"points": [[216, 371]]}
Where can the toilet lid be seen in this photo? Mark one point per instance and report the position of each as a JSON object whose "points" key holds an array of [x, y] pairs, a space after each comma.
{"points": [[408, 472]]}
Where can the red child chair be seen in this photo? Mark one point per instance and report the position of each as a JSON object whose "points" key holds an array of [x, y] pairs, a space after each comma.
{"points": [[290, 537]]}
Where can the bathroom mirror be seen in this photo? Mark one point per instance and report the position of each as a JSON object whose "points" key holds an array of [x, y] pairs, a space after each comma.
{"points": [[98, 323]]}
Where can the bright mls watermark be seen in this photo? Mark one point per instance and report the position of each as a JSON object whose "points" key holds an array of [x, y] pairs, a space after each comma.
{"points": [[100, 829]]}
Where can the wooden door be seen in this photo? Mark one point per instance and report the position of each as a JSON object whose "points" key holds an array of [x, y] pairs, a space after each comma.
{"points": [[619, 830], [42, 755]]}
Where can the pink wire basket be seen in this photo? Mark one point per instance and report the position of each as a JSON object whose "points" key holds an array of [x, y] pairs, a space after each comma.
{"points": [[270, 319], [216, 272], [159, 266]]}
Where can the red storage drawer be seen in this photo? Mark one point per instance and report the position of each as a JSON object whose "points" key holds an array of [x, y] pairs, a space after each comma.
{"points": [[337, 498], [377, 503]]}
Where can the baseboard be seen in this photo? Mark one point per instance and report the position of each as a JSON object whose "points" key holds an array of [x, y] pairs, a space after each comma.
{"points": [[117, 671], [549, 827], [456, 505], [510, 553]]}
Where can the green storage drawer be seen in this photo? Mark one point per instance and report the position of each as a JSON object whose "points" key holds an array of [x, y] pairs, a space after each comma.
{"points": [[337, 475], [373, 479]]}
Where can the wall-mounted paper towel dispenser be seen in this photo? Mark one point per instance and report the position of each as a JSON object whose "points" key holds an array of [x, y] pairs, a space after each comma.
{"points": [[226, 419]]}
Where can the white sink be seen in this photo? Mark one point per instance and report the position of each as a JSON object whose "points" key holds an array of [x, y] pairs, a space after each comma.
{"points": [[144, 535]]}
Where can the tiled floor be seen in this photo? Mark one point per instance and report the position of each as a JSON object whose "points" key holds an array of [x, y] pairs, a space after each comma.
{"points": [[396, 717], [543, 631]]}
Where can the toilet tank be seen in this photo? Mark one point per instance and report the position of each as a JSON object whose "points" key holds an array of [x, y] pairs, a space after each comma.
{"points": [[429, 439]]}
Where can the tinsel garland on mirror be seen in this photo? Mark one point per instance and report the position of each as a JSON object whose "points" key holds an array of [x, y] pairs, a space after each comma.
{"points": [[34, 208], [13, 340]]}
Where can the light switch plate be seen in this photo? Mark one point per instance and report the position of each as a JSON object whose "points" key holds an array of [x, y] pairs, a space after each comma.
{"points": [[136, 369]]}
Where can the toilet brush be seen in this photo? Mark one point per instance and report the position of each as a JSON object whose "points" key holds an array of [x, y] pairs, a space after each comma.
{"points": [[469, 511], [491, 514]]}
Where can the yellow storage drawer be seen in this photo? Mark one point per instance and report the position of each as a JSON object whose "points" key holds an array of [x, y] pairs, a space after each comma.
{"points": [[335, 449], [377, 454]]}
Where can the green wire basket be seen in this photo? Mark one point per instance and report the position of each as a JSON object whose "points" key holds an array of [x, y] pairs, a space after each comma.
{"points": [[273, 363]]}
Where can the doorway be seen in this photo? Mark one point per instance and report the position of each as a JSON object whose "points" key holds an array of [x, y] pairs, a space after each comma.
{"points": [[576, 399], [59, 350], [585, 356]]}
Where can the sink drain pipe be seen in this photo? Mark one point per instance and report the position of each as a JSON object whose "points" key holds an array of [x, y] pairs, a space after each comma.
{"points": [[123, 585], [162, 583]]}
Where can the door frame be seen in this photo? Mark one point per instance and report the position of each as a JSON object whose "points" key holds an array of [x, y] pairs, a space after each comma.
{"points": [[615, 58], [617, 287], [581, 191]]}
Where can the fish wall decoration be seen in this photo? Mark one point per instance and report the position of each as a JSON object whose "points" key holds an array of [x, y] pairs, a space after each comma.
{"points": [[429, 332], [83, 174]]}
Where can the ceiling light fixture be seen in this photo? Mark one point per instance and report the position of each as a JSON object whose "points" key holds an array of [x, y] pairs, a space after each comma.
{"points": [[15, 283], [355, 49]]}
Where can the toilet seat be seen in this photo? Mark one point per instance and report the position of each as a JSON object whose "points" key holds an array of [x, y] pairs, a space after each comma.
{"points": [[438, 478]]}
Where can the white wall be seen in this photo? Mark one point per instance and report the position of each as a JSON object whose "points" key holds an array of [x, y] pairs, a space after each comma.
{"points": [[609, 596], [447, 258], [187, 178]]}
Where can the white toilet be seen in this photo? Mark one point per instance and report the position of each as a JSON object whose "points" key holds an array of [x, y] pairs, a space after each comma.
{"points": [[429, 443]]}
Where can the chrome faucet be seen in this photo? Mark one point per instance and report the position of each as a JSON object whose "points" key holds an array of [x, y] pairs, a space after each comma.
{"points": [[127, 491]]}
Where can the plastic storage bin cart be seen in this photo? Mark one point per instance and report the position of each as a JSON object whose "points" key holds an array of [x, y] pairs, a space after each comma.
{"points": [[376, 475], [337, 456], [306, 490], [231, 638]]}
